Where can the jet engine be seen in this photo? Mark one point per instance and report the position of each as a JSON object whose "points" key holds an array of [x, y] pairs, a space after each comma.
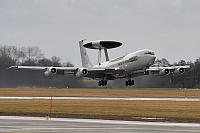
{"points": [[179, 71], [164, 72], [50, 71], [81, 72]]}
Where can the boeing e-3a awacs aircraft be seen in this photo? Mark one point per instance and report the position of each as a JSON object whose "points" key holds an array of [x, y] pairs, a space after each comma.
{"points": [[131, 65]]}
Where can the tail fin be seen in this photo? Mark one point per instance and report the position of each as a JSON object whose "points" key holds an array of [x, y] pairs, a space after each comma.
{"points": [[84, 56]]}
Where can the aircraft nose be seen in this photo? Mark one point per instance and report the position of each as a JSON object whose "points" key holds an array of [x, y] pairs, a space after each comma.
{"points": [[154, 57], [152, 61]]}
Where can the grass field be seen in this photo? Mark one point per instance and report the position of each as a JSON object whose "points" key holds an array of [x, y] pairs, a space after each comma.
{"points": [[127, 110], [151, 93]]}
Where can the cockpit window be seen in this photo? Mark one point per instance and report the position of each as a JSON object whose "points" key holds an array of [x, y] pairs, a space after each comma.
{"points": [[150, 53]]}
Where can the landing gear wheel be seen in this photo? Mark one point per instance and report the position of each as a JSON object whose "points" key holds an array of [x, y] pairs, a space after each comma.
{"points": [[100, 83], [146, 72], [129, 82], [132, 82], [126, 83], [103, 82]]}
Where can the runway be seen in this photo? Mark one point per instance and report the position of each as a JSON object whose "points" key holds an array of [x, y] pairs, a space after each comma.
{"points": [[66, 125], [103, 98]]}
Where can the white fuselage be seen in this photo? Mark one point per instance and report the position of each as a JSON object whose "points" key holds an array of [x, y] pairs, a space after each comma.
{"points": [[139, 60]]}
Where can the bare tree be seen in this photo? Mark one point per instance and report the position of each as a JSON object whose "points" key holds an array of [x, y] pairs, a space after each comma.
{"points": [[55, 61], [165, 62], [68, 64], [32, 55], [182, 63], [45, 62]]}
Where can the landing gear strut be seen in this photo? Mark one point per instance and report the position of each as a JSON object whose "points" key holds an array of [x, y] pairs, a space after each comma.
{"points": [[129, 82], [103, 82]]}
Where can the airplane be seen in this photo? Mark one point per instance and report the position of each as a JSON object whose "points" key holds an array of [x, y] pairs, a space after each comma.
{"points": [[128, 66]]}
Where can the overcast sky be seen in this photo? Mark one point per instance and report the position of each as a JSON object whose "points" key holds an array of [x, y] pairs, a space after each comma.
{"points": [[171, 28]]}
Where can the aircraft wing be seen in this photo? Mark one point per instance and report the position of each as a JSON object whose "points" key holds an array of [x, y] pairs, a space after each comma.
{"points": [[77, 71], [99, 73], [105, 70], [48, 70], [166, 70], [43, 68], [170, 68], [28, 67]]}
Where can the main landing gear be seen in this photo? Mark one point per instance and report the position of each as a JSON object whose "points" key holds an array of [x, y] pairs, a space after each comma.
{"points": [[146, 72], [103, 82], [129, 82]]}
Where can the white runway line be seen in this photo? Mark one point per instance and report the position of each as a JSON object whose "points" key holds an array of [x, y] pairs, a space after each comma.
{"points": [[69, 125], [102, 98]]}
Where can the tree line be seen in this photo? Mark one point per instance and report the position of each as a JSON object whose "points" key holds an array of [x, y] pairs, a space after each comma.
{"points": [[30, 56], [33, 56], [190, 79]]}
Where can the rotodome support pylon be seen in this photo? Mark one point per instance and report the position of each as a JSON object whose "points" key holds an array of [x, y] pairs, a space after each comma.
{"points": [[99, 45]]}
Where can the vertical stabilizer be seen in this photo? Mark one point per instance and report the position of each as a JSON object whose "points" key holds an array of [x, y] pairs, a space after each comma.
{"points": [[84, 56]]}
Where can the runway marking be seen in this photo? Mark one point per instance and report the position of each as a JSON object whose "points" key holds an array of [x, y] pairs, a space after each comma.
{"points": [[103, 98], [117, 122], [91, 128], [39, 124]]}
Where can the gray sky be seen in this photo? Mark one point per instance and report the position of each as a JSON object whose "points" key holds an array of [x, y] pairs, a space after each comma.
{"points": [[171, 28]]}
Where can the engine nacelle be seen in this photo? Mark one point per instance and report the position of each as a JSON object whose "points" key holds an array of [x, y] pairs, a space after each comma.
{"points": [[179, 71], [164, 72], [81, 72], [50, 71]]}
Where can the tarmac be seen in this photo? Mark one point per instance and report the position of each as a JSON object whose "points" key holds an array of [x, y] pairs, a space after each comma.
{"points": [[18, 124]]}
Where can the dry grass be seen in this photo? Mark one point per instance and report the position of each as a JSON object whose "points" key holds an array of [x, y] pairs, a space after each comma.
{"points": [[130, 108], [100, 92], [163, 109], [121, 109]]}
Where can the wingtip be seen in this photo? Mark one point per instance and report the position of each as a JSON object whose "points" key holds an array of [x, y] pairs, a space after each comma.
{"points": [[11, 67]]}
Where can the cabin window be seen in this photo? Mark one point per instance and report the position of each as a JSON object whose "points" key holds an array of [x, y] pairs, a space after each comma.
{"points": [[133, 59]]}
